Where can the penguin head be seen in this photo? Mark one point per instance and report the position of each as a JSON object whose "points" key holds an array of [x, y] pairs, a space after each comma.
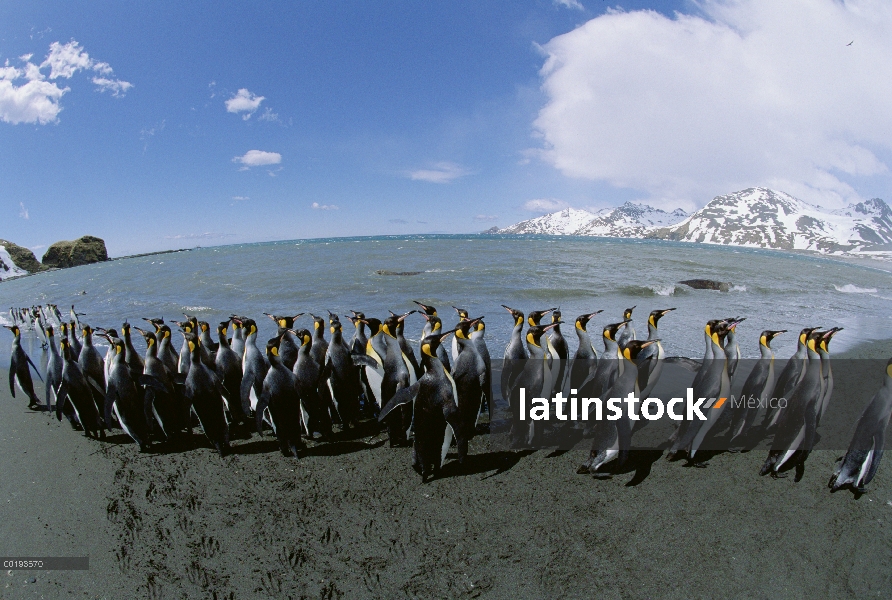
{"points": [[656, 315], [556, 316], [374, 325], [610, 331], [204, 326], [803, 335], [236, 322], [711, 325], [634, 348], [463, 329], [814, 339], [535, 333], [824, 342], [185, 326], [318, 322], [582, 320], [435, 321], [156, 323], [889, 368], [14, 329], [163, 332], [335, 327], [389, 325], [462, 313], [768, 335], [481, 326], [357, 315], [250, 325], [536, 316], [150, 337], [627, 314], [63, 347], [430, 343], [333, 318], [272, 346], [303, 336], [285, 322], [125, 328], [428, 310], [222, 328], [719, 333], [49, 331], [63, 326], [516, 314], [192, 341]]}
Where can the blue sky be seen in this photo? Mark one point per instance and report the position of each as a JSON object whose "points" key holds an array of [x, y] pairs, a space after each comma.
{"points": [[146, 125]]}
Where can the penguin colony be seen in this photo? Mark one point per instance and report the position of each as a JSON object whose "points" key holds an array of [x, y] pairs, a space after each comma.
{"points": [[299, 384]]}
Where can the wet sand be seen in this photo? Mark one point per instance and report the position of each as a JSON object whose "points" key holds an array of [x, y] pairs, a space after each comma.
{"points": [[352, 520]]}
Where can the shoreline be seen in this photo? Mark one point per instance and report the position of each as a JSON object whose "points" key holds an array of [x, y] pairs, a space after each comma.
{"points": [[352, 519]]}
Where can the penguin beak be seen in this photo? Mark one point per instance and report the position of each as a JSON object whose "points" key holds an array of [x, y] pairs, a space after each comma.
{"points": [[592, 315], [551, 325], [445, 335], [402, 318]]}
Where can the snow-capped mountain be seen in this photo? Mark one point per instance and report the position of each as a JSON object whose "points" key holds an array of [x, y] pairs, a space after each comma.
{"points": [[764, 218], [7, 267], [628, 220]]}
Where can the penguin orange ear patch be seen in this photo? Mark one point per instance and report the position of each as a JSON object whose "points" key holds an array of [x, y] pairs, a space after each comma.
{"points": [[274, 351]]}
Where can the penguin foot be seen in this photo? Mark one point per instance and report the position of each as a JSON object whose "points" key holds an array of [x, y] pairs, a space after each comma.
{"points": [[776, 475], [35, 406], [602, 476], [700, 465], [582, 470]]}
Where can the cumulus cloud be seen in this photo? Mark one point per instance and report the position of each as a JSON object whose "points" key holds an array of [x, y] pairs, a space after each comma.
{"points": [[545, 205], [442, 172], [317, 206], [27, 95], [258, 158], [244, 102], [750, 92], [23, 212]]}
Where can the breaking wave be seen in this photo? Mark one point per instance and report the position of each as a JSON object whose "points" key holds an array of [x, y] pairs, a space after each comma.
{"points": [[854, 289]]}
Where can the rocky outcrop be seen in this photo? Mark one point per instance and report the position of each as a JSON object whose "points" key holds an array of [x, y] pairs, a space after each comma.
{"points": [[22, 257], [83, 251], [707, 284]]}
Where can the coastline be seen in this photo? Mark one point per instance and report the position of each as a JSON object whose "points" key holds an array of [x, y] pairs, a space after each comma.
{"points": [[352, 519]]}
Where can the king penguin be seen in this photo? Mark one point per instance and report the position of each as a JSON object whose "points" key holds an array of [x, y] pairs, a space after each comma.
{"points": [[757, 389], [477, 336], [123, 398], [859, 465], [627, 334], [308, 379], [204, 392], [469, 375], [83, 398], [288, 346], [281, 399], [612, 439], [228, 368], [19, 373], [535, 381], [90, 361], [560, 353], [585, 360], [164, 402], [462, 316], [654, 354], [789, 377], [434, 326], [436, 411], [823, 347], [515, 354], [254, 368], [342, 377], [610, 365]]}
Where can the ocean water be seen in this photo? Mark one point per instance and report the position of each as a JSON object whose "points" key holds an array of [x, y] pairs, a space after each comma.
{"points": [[773, 290]]}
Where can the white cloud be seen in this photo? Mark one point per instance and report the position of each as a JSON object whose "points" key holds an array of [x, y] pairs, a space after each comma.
{"points": [[36, 100], [23, 212], [240, 198], [755, 92], [258, 158], [317, 206], [244, 102], [544, 205], [569, 4], [442, 172], [269, 115]]}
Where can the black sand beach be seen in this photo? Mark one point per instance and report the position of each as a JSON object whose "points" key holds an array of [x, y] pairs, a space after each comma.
{"points": [[352, 520]]}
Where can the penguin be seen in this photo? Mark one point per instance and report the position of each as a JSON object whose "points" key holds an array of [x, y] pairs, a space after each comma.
{"points": [[78, 395], [163, 402], [205, 394], [110, 351], [469, 376], [342, 377], [515, 354], [76, 345], [308, 379], [713, 383], [797, 422], [254, 368], [758, 389], [859, 465], [627, 334], [131, 356], [651, 357], [732, 348], [535, 317], [359, 339], [19, 373], [823, 347], [90, 361], [75, 318], [613, 439], [478, 337], [53, 370], [208, 346], [427, 312], [585, 360], [288, 346], [184, 361], [371, 360], [433, 326], [405, 347], [166, 353], [123, 398], [536, 381], [238, 338], [609, 366], [789, 377], [281, 399], [398, 374], [228, 368], [318, 351], [560, 352], [436, 411], [462, 316]]}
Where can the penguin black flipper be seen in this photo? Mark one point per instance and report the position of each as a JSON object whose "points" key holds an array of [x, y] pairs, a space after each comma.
{"points": [[364, 360], [262, 405], [149, 381], [879, 442], [110, 398], [403, 396], [245, 392], [13, 369], [61, 397], [34, 367]]}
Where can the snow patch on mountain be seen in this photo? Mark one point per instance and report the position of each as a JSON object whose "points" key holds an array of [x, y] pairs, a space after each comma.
{"points": [[8, 268]]}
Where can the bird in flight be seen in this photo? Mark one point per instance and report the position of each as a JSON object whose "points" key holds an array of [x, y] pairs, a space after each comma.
{"points": [[850, 43]]}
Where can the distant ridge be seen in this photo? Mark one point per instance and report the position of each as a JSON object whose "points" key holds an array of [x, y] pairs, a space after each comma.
{"points": [[755, 217]]}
